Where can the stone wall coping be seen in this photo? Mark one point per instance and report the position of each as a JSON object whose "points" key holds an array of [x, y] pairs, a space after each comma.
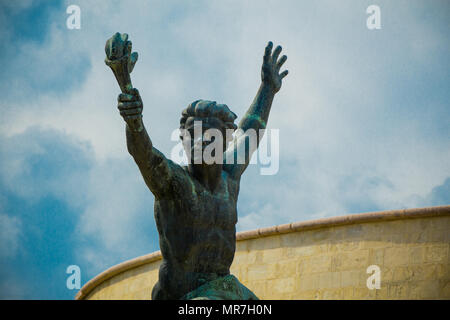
{"points": [[279, 229]]}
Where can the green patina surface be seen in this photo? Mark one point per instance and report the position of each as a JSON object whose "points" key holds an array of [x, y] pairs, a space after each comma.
{"points": [[224, 288]]}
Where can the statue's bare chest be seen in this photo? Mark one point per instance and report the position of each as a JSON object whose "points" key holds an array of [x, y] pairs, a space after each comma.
{"points": [[218, 208], [197, 206]]}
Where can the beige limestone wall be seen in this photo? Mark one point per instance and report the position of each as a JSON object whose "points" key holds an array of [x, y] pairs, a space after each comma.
{"points": [[321, 259]]}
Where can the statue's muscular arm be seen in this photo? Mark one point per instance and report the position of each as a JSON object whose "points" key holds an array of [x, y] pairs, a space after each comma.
{"points": [[153, 165], [258, 113]]}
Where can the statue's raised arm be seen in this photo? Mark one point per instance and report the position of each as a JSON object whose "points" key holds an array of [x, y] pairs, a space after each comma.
{"points": [[254, 121], [153, 165]]}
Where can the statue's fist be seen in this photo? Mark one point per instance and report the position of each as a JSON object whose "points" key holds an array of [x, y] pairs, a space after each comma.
{"points": [[130, 107]]}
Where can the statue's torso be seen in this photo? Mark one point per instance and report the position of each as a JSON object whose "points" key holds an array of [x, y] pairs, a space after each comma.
{"points": [[197, 232]]}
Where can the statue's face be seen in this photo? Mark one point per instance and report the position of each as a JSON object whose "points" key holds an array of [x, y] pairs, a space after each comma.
{"points": [[200, 133]]}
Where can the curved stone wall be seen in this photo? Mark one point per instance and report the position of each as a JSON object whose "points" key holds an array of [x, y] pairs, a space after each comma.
{"points": [[321, 259]]}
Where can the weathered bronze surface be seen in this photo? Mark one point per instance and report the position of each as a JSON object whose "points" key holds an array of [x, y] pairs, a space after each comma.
{"points": [[195, 205]]}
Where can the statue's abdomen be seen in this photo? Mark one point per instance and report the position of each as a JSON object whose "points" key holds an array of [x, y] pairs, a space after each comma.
{"points": [[197, 241]]}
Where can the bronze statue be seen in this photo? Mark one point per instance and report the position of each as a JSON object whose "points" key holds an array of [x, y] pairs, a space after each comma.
{"points": [[195, 205]]}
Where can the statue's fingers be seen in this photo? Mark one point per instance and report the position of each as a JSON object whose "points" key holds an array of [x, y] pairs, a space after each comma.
{"points": [[133, 59], [129, 105], [134, 116], [267, 51], [108, 48], [130, 112], [124, 97], [281, 62], [284, 74], [124, 36], [128, 46], [276, 53], [135, 92]]}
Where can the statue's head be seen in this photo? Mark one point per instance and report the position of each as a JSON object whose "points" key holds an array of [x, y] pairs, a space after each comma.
{"points": [[200, 125]]}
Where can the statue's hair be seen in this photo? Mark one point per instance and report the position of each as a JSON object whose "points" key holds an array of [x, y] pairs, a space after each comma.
{"points": [[206, 108]]}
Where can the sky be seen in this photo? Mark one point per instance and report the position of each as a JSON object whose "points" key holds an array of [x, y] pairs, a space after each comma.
{"points": [[363, 119]]}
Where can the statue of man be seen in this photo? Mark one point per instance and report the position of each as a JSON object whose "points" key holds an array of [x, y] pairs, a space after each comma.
{"points": [[195, 206]]}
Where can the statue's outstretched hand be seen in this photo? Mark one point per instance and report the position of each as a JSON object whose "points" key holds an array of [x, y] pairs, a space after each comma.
{"points": [[130, 107], [270, 73]]}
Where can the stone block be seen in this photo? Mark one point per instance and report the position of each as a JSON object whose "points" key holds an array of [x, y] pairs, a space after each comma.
{"points": [[257, 272], [375, 244], [344, 245], [416, 254], [382, 293], [286, 268], [350, 260], [309, 295], [272, 255], [281, 285], [403, 274], [396, 256], [397, 291], [444, 292], [308, 282], [436, 253], [376, 257], [351, 278], [265, 243], [429, 289], [329, 280], [355, 231], [333, 294], [317, 263], [303, 251]]}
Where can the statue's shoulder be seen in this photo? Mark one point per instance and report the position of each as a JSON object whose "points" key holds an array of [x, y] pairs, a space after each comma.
{"points": [[182, 182], [178, 171]]}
